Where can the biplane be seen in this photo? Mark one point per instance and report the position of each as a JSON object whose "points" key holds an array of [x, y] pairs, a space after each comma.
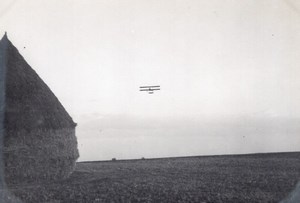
{"points": [[150, 89]]}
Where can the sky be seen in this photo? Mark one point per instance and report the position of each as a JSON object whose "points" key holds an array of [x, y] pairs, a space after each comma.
{"points": [[228, 70]]}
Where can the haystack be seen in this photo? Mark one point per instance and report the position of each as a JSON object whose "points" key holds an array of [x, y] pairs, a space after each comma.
{"points": [[39, 135]]}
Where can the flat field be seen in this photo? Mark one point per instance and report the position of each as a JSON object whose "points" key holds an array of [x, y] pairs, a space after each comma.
{"points": [[232, 178]]}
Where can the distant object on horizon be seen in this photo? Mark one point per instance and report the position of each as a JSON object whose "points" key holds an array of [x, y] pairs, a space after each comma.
{"points": [[150, 89]]}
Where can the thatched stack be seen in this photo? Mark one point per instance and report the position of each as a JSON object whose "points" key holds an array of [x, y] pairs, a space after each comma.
{"points": [[39, 135]]}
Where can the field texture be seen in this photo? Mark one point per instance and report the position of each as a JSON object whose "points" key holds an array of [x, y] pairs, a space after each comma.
{"points": [[239, 178]]}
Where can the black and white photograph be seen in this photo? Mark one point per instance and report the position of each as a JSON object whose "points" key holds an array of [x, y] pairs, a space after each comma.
{"points": [[150, 101]]}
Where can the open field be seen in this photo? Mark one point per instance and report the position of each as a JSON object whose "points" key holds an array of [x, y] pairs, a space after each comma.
{"points": [[232, 178]]}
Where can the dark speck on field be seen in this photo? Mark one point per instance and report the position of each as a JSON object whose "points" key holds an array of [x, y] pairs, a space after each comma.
{"points": [[233, 178]]}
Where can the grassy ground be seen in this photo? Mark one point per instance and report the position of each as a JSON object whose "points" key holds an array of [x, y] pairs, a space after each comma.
{"points": [[239, 178]]}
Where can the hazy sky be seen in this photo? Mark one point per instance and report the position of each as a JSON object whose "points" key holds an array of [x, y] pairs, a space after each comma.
{"points": [[228, 69]]}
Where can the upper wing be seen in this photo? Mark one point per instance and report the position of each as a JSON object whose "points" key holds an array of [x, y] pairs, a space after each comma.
{"points": [[154, 86]]}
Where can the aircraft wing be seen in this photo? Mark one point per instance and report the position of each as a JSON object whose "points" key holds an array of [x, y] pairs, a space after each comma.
{"points": [[154, 86]]}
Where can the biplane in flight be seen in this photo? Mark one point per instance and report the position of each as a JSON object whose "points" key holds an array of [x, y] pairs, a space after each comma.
{"points": [[150, 89]]}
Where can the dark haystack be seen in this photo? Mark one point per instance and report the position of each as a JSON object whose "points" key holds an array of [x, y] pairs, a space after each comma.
{"points": [[39, 141]]}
